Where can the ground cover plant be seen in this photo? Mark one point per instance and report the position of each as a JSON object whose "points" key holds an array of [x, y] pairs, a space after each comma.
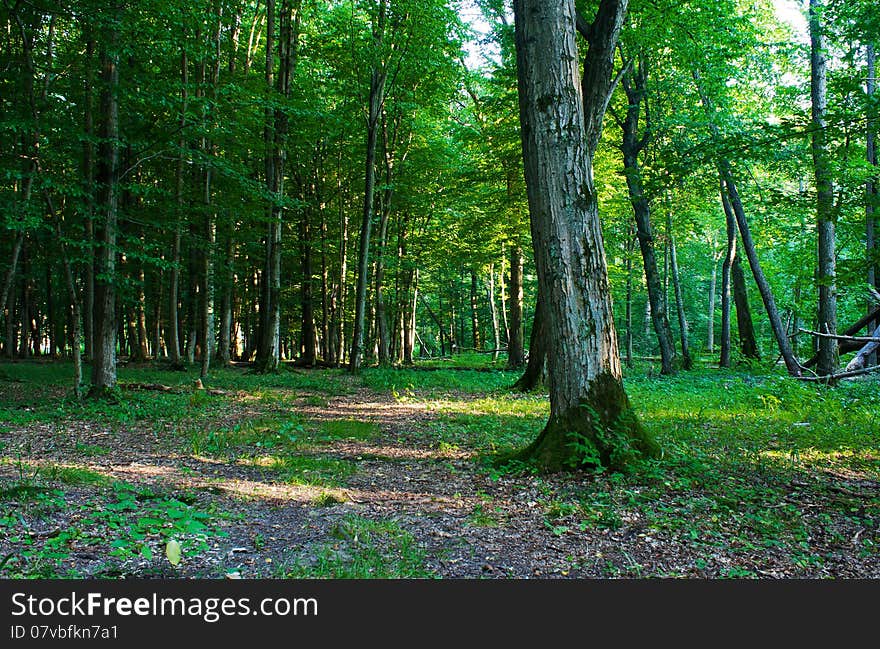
{"points": [[406, 474]]}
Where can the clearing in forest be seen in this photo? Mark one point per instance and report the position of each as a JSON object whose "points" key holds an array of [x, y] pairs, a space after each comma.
{"points": [[396, 474]]}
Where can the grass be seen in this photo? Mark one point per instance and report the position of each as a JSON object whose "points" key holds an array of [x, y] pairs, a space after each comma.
{"points": [[757, 468], [361, 548]]}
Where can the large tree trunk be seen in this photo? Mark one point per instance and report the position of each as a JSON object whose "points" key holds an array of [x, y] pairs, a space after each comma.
{"points": [[825, 218], [591, 421], [632, 144], [105, 324]]}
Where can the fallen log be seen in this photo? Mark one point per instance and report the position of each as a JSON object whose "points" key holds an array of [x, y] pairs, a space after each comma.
{"points": [[846, 346]]}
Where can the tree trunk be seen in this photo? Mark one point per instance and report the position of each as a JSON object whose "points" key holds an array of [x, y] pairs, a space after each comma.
{"points": [[710, 315], [686, 361], [307, 323], [493, 310], [105, 324], [871, 222], [631, 146], [533, 376], [628, 319], [825, 217], [591, 421], [747, 340], [376, 101], [726, 268], [515, 354], [475, 317], [730, 188]]}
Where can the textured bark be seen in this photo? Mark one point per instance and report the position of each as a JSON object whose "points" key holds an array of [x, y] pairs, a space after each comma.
{"points": [[591, 420], [628, 319], [105, 322], [825, 217]]}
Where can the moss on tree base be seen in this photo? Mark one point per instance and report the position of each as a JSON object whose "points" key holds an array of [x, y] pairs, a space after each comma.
{"points": [[602, 431]]}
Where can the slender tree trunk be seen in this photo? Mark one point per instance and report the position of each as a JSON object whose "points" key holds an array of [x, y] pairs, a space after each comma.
{"points": [[105, 323], [515, 354], [747, 340], [686, 361], [307, 324], [88, 174], [475, 317], [729, 258], [174, 288], [533, 376], [628, 250], [493, 310], [710, 315], [825, 224], [872, 226], [560, 132], [730, 188], [632, 144], [376, 101]]}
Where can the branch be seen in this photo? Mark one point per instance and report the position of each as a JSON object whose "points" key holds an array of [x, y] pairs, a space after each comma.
{"points": [[858, 339], [842, 375]]}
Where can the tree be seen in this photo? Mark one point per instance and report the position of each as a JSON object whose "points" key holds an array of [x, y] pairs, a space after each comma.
{"points": [[591, 420], [104, 358], [825, 221]]}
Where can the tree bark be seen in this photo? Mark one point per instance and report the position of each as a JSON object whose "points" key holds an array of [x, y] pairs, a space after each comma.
{"points": [[533, 376], [515, 353], [493, 310], [747, 340], [591, 421], [825, 217], [105, 322]]}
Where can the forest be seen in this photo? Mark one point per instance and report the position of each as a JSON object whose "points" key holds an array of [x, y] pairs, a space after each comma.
{"points": [[439, 288]]}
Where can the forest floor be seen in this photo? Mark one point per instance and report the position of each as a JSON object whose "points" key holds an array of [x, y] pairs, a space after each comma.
{"points": [[394, 474]]}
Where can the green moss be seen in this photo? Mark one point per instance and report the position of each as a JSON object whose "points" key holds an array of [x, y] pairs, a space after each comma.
{"points": [[602, 432]]}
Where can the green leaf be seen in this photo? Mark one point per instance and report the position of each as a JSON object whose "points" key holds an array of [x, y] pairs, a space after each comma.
{"points": [[172, 552]]}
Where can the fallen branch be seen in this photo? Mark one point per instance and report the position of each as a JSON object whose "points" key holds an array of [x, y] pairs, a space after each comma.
{"points": [[841, 375], [857, 339], [147, 386]]}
